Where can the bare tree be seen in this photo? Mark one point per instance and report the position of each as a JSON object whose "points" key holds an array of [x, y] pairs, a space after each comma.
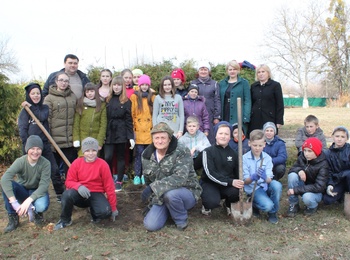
{"points": [[8, 60]]}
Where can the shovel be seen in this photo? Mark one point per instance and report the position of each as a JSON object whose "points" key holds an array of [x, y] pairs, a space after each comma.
{"points": [[47, 135], [347, 205]]}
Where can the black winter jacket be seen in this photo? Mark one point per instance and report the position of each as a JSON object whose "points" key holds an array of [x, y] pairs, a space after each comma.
{"points": [[339, 163]]}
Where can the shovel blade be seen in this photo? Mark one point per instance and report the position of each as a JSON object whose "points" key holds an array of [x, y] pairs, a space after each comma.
{"points": [[347, 205], [241, 211]]}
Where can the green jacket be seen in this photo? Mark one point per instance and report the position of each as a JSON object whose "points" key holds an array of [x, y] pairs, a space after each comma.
{"points": [[174, 171]]}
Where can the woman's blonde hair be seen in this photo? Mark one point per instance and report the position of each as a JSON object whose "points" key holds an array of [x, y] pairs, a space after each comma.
{"points": [[118, 81], [265, 67], [234, 64]]}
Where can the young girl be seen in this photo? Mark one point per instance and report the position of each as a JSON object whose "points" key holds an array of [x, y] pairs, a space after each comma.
{"points": [[27, 126], [141, 110], [119, 128], [179, 80], [128, 76], [168, 107], [136, 74], [90, 118], [104, 85]]}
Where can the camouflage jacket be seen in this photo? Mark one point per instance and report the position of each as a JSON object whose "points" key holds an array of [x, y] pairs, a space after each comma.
{"points": [[175, 170]]}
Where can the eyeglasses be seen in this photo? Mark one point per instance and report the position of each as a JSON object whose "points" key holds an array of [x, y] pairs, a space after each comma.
{"points": [[63, 80]]}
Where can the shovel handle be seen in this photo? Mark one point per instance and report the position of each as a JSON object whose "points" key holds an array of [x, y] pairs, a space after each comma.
{"points": [[256, 182], [47, 135]]}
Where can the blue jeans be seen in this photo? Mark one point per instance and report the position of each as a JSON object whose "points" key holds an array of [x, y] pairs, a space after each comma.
{"points": [[21, 194], [138, 165], [269, 200], [310, 199], [175, 203]]}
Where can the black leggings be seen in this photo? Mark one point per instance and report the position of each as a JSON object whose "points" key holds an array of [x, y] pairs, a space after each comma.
{"points": [[120, 151]]}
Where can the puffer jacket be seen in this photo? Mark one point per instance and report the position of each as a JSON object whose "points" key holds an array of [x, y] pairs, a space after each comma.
{"points": [[196, 107], [277, 150], [316, 171], [339, 163], [61, 118], [174, 171]]}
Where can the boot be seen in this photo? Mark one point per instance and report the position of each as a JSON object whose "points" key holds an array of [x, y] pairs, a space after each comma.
{"points": [[13, 223]]}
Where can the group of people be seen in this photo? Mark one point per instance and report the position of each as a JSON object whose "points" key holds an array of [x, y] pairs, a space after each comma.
{"points": [[99, 128]]}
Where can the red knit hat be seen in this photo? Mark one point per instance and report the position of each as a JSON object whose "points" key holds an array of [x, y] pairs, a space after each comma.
{"points": [[178, 74], [314, 144]]}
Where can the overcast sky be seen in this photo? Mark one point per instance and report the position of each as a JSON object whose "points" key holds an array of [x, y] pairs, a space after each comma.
{"points": [[113, 33]]}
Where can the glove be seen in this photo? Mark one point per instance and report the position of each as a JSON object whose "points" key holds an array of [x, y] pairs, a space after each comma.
{"points": [[254, 177], [330, 191], [262, 173], [146, 193], [15, 205], [132, 144], [114, 215], [76, 144], [31, 213], [84, 192]]}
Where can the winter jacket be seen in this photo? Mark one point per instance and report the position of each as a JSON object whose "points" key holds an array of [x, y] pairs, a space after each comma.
{"points": [[267, 104], [277, 150], [182, 92], [316, 171], [142, 121], [119, 121], [61, 118], [51, 80], [339, 163], [196, 107], [199, 141], [302, 135], [245, 146], [240, 89], [90, 123], [174, 171]]}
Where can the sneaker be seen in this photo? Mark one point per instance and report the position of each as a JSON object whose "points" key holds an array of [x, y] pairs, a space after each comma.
{"points": [[293, 210], [310, 211], [182, 227], [61, 224], [228, 211], [118, 186], [38, 218], [59, 198], [205, 211], [137, 180], [143, 180], [96, 221], [125, 178], [273, 218], [256, 212]]}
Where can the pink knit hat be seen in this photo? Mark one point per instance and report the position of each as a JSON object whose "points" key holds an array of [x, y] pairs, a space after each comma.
{"points": [[144, 79]]}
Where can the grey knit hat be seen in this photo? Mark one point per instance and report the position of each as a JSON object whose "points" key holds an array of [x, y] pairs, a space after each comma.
{"points": [[269, 124], [33, 141], [341, 128], [89, 143]]}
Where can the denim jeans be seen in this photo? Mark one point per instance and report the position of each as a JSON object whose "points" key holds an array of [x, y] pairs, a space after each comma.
{"points": [[21, 194], [175, 204], [310, 199], [139, 148], [98, 203], [269, 200]]}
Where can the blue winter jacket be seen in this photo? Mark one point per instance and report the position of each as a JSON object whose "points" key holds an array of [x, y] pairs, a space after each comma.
{"points": [[277, 150]]}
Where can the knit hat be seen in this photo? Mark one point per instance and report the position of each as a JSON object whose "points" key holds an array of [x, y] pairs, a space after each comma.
{"points": [[89, 143], [33, 141], [178, 74], [193, 86], [314, 144], [269, 124], [162, 127], [203, 64], [144, 79], [29, 88], [341, 128], [216, 127], [136, 72]]}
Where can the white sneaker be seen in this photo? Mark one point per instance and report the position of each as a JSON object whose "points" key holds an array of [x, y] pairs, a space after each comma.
{"points": [[205, 211]]}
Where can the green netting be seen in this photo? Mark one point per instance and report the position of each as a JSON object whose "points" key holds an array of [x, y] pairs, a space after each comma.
{"points": [[298, 102]]}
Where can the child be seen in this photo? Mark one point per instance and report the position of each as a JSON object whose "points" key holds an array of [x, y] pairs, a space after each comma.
{"points": [[168, 107], [119, 128], [338, 157], [90, 117], [179, 80], [276, 148], [137, 73], [195, 140], [127, 76], [141, 111], [104, 85], [307, 178], [311, 129], [234, 141], [27, 126], [257, 167], [194, 105], [89, 185]]}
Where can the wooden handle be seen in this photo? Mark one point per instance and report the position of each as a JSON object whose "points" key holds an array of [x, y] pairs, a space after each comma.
{"points": [[47, 135]]}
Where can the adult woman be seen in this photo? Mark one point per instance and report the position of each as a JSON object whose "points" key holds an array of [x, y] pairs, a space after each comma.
{"points": [[267, 100], [104, 85], [168, 170], [62, 102], [232, 87], [210, 90]]}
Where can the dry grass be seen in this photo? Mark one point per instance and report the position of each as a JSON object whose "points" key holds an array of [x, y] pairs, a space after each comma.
{"points": [[323, 236]]}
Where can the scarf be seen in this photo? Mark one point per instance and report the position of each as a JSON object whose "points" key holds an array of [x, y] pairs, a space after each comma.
{"points": [[89, 102]]}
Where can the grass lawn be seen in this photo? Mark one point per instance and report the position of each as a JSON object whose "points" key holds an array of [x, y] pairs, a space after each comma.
{"points": [[322, 236]]}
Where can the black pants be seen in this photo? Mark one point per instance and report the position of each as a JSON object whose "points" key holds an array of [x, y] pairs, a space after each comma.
{"points": [[120, 151], [70, 153], [98, 203]]}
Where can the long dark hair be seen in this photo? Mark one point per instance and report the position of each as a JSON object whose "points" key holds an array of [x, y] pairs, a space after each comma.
{"points": [[80, 103], [139, 99], [173, 88]]}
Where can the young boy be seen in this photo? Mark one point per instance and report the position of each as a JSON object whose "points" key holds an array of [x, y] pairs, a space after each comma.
{"points": [[311, 129], [29, 193], [257, 167], [276, 148], [307, 178], [195, 140], [338, 157], [88, 180], [234, 141]]}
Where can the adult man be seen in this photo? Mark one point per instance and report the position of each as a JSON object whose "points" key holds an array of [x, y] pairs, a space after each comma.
{"points": [[77, 79]]}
